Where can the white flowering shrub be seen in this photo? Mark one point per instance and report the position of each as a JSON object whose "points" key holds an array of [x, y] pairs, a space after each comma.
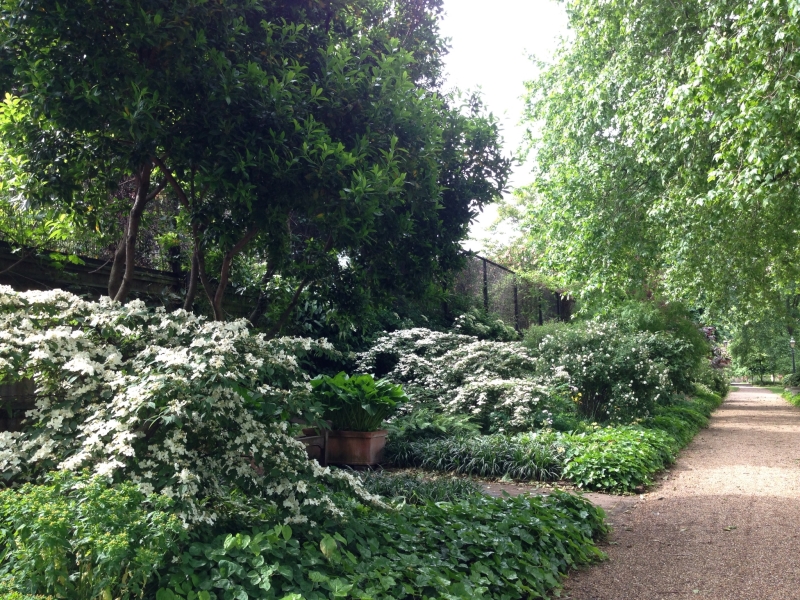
{"points": [[620, 375], [194, 410], [498, 383]]}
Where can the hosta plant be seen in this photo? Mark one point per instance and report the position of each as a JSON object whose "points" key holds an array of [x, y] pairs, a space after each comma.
{"points": [[359, 402]]}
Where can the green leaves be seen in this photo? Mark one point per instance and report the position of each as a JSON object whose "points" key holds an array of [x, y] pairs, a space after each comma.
{"points": [[663, 159], [76, 536], [359, 402], [496, 547]]}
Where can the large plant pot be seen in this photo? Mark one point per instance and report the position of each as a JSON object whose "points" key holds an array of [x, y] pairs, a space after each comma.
{"points": [[358, 448]]}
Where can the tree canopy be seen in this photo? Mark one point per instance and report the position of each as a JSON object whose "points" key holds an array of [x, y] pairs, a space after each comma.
{"points": [[666, 151], [311, 136]]}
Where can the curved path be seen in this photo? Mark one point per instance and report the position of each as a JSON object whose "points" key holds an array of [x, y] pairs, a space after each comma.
{"points": [[724, 524]]}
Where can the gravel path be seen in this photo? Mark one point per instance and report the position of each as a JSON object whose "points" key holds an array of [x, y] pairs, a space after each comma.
{"points": [[725, 522]]}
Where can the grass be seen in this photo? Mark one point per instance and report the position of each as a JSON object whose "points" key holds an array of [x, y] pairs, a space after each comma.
{"points": [[524, 457], [415, 488], [793, 399]]}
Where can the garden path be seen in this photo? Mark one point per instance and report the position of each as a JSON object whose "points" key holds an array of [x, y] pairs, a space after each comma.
{"points": [[724, 523]]}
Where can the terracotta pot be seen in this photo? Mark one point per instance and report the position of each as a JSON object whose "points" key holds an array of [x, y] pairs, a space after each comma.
{"points": [[356, 447]]}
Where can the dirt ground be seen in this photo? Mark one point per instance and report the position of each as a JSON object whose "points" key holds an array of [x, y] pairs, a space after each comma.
{"points": [[724, 523]]}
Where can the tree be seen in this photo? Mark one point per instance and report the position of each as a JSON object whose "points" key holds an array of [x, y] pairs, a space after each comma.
{"points": [[666, 151], [311, 134]]}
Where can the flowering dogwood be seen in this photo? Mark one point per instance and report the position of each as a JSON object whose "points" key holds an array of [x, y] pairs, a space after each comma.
{"points": [[498, 383], [191, 409]]}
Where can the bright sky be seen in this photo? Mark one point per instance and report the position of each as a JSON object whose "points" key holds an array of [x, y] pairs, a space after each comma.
{"points": [[491, 42]]}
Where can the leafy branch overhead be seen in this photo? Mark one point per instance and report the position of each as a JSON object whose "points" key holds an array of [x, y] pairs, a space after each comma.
{"points": [[667, 155], [311, 137]]}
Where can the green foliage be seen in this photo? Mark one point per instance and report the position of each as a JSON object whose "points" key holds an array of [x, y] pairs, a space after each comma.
{"points": [[78, 537], [357, 403], [423, 422], [618, 374], [791, 380], [525, 456], [311, 137], [623, 459], [793, 399], [482, 325], [617, 459], [478, 547], [715, 380], [761, 347], [418, 489]]}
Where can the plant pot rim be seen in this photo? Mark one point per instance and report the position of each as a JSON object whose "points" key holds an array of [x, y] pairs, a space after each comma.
{"points": [[358, 434]]}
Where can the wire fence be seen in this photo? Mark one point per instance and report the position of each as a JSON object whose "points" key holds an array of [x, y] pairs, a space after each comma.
{"points": [[31, 231], [499, 291]]}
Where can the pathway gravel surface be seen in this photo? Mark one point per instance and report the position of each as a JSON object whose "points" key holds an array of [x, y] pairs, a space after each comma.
{"points": [[724, 523]]}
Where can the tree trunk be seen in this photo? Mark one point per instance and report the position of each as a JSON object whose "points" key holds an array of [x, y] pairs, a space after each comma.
{"points": [[191, 288], [117, 267], [276, 330], [260, 307], [225, 272], [134, 220]]}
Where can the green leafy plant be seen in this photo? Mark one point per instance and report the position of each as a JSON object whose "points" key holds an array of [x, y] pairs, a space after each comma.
{"points": [[529, 456], [426, 423], [79, 537], [414, 488], [617, 459], [357, 403], [478, 547]]}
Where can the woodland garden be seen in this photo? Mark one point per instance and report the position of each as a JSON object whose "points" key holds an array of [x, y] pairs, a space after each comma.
{"points": [[301, 170]]}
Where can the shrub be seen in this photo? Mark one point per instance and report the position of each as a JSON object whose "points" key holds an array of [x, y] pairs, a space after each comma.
{"points": [[192, 410], [425, 423], [618, 375], [478, 547], [416, 489], [715, 379], [495, 383], [76, 537], [617, 459], [527, 456], [791, 380], [480, 324]]}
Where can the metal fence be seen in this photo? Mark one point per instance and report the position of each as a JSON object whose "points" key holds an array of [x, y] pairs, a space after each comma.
{"points": [[499, 291]]}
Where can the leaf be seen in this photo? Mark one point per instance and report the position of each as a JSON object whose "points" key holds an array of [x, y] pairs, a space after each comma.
{"points": [[328, 546]]}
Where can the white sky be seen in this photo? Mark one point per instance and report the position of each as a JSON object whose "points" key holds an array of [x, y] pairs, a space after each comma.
{"points": [[490, 45]]}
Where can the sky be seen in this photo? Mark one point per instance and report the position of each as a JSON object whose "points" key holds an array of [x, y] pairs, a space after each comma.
{"points": [[490, 44]]}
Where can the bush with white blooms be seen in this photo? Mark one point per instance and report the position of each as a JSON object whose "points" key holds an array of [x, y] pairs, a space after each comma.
{"points": [[191, 409]]}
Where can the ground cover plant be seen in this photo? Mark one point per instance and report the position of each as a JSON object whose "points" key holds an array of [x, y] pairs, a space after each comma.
{"points": [[614, 458], [79, 537], [415, 488], [478, 547]]}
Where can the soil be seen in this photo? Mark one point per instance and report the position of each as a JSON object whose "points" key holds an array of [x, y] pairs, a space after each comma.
{"points": [[723, 524]]}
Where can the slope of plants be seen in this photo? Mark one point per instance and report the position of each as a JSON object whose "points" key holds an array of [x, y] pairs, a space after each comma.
{"points": [[603, 404], [160, 461]]}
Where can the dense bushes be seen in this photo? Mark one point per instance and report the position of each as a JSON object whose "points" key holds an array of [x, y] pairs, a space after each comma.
{"points": [[191, 420], [605, 371], [478, 547], [76, 537], [620, 458], [190, 409]]}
